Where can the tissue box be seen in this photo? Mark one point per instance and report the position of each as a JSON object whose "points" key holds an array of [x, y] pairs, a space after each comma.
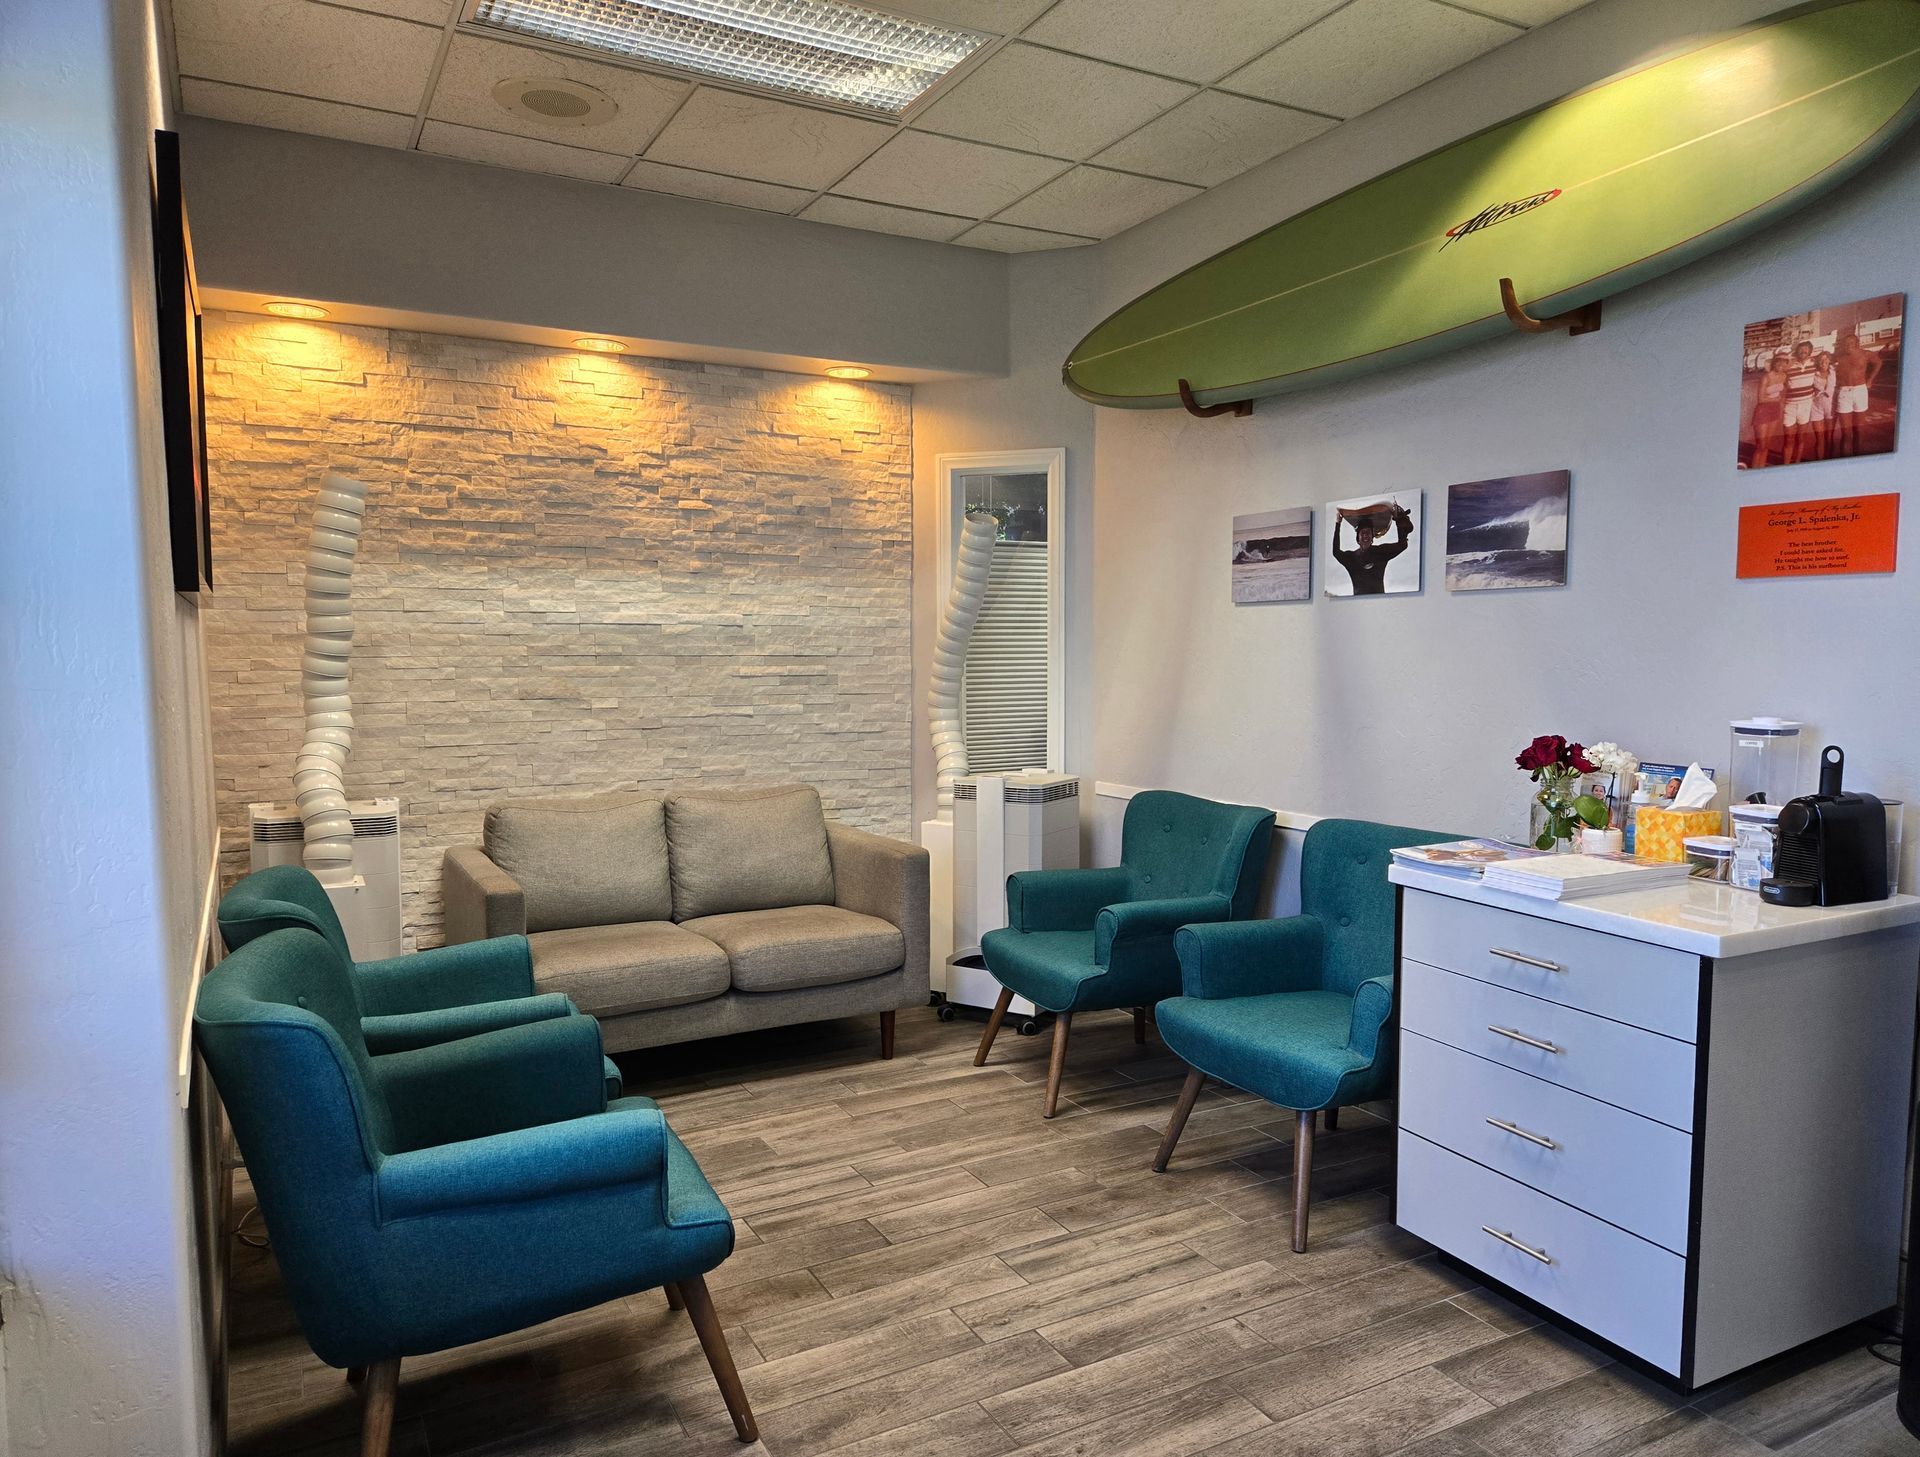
{"points": [[1660, 834]]}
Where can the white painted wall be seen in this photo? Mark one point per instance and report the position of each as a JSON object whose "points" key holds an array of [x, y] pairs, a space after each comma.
{"points": [[104, 828], [1411, 709]]}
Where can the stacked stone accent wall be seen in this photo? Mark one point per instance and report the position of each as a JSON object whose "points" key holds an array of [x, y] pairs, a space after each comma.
{"points": [[578, 573]]}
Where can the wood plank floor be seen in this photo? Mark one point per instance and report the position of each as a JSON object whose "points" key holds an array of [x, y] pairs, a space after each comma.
{"points": [[926, 1269]]}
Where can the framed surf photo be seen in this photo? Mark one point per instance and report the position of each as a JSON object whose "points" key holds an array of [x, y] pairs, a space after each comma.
{"points": [[1823, 385], [1273, 556], [1508, 532], [1373, 545]]}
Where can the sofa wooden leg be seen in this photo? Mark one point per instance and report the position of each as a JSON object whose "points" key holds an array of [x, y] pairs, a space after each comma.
{"points": [[994, 1019], [1302, 1176], [1057, 1064], [1189, 1093], [1140, 1026], [1333, 1120], [886, 1035], [376, 1421], [675, 1300], [713, 1341]]}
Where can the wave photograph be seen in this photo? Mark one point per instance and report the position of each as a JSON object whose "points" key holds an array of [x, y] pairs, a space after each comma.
{"points": [[1273, 556], [1508, 532]]}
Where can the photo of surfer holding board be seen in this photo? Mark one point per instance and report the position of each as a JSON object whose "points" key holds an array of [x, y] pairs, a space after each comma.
{"points": [[1367, 537]]}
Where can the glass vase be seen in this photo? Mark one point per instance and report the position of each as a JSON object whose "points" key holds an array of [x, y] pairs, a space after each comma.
{"points": [[1552, 812]]}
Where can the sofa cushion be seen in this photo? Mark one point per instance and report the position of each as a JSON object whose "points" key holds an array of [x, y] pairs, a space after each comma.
{"points": [[748, 850], [608, 970], [594, 860], [802, 946]]}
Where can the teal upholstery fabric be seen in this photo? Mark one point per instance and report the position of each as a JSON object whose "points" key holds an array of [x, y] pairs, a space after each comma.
{"points": [[1296, 1011], [409, 1001], [1078, 940], [447, 1194]]}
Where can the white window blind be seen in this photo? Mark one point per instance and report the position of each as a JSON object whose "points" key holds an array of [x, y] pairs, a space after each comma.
{"points": [[1004, 689]]}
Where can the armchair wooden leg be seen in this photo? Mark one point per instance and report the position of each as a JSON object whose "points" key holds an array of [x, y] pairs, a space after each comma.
{"points": [[1302, 1176], [1057, 1064], [675, 1300], [886, 1035], [376, 1422], [994, 1019], [356, 1374], [714, 1342], [1140, 1026], [1188, 1094], [1333, 1120]]}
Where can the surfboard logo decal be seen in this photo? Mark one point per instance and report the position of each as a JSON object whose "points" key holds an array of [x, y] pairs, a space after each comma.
{"points": [[1500, 212]]}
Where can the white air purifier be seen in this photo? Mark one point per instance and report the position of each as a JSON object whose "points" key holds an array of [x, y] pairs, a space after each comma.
{"points": [[369, 904], [1002, 824]]}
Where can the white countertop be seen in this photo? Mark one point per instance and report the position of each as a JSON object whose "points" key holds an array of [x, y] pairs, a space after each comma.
{"points": [[1710, 920]]}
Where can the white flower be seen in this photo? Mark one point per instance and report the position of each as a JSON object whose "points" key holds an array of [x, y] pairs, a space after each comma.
{"points": [[1612, 759]]}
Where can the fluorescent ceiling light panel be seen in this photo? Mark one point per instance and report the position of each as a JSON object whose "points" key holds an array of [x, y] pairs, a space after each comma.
{"points": [[825, 49]]}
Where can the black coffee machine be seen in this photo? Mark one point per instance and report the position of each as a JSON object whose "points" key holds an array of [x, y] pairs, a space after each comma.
{"points": [[1832, 848]]}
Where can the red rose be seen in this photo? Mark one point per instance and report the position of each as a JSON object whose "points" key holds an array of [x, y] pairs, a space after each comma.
{"points": [[1577, 757], [1542, 753]]}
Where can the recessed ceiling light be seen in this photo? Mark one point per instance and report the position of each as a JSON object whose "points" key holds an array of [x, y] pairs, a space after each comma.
{"points": [[826, 49], [595, 345], [287, 309], [850, 371], [556, 101]]}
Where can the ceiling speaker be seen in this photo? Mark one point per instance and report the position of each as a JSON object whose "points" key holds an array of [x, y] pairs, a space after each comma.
{"points": [[556, 101]]}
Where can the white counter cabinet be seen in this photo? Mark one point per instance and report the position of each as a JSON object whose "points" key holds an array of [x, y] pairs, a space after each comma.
{"points": [[1675, 1119]]}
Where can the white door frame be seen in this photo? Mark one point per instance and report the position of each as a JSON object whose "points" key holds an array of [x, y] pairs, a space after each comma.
{"points": [[1052, 460]]}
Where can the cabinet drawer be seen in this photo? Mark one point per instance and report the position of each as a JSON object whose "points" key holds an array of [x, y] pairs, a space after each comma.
{"points": [[1628, 1170], [1626, 1066], [1616, 1285], [1630, 981]]}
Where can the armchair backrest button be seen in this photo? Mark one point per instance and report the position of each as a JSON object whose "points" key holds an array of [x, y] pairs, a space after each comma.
{"points": [[301, 1000], [1346, 920]]}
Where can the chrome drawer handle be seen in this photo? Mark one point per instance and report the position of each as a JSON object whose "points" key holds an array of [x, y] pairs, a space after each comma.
{"points": [[1518, 1132], [1522, 1037], [1526, 1249], [1524, 959]]}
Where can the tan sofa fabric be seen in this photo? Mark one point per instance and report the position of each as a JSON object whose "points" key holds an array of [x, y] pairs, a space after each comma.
{"points": [[597, 860], [608, 970], [480, 898], [748, 850], [801, 946], [877, 876]]}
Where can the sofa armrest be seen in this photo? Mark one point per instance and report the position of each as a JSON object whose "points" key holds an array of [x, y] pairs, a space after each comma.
{"points": [[877, 876], [480, 899], [1064, 900], [496, 970], [620, 1146], [404, 1031], [1372, 1007], [1250, 958], [516, 1077]]}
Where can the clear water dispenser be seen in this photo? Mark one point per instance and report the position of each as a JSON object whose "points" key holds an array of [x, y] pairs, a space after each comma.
{"points": [[1763, 762]]}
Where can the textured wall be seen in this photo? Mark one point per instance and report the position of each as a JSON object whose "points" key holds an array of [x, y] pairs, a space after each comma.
{"points": [[578, 573]]}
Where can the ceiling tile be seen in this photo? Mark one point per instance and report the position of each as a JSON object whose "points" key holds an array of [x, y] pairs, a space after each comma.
{"points": [[526, 153], [1095, 202], [1003, 239], [1528, 12], [773, 141], [943, 174], [294, 113], [710, 186], [1370, 52], [1211, 138], [998, 17], [1200, 40], [475, 65], [850, 212], [1043, 101], [306, 49], [427, 12]]}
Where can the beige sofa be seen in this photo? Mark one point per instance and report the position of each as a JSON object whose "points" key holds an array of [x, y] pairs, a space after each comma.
{"points": [[699, 913]]}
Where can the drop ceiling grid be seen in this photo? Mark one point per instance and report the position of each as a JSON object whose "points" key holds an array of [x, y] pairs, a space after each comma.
{"points": [[1122, 111]]}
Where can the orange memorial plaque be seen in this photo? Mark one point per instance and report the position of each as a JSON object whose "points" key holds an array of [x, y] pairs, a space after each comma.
{"points": [[1819, 538]]}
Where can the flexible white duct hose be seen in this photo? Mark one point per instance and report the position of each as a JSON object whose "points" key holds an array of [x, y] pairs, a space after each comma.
{"points": [[977, 536], [319, 789]]}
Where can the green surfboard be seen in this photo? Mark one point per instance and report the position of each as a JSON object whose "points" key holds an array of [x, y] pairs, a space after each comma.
{"points": [[1603, 189]]}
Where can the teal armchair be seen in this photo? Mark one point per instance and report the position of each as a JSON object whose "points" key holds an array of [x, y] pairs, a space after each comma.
{"points": [[1087, 940], [1296, 1011], [448, 1193], [411, 1001]]}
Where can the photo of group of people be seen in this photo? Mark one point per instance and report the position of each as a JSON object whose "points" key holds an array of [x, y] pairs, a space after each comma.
{"points": [[1822, 385]]}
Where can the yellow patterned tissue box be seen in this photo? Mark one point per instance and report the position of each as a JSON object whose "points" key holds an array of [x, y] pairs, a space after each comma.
{"points": [[1658, 834]]}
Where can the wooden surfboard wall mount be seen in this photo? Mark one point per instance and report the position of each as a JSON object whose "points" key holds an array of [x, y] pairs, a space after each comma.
{"points": [[1575, 201]]}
